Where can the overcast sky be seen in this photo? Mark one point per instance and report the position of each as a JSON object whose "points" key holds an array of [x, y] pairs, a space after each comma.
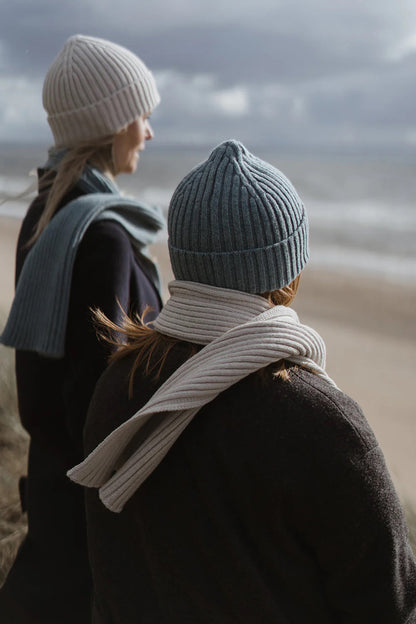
{"points": [[281, 72]]}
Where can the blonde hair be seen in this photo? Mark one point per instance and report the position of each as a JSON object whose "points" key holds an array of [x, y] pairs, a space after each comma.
{"points": [[98, 153], [151, 348]]}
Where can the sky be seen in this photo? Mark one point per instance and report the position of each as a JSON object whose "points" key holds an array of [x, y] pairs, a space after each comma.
{"points": [[298, 74]]}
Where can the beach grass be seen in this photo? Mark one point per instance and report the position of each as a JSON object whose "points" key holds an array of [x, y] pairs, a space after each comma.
{"points": [[13, 452], [410, 513]]}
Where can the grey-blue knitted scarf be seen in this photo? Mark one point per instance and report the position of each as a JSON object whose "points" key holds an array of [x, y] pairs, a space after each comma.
{"points": [[39, 313]]}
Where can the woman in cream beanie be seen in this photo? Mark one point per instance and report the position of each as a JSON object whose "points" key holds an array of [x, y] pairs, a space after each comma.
{"points": [[81, 246]]}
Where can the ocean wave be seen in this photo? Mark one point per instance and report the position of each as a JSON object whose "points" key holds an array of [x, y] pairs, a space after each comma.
{"points": [[363, 262], [362, 213], [373, 237]]}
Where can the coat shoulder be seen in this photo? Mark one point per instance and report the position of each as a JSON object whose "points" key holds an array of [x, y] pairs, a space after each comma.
{"points": [[303, 421], [329, 401]]}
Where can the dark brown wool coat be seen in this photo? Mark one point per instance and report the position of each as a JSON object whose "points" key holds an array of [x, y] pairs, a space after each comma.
{"points": [[274, 506]]}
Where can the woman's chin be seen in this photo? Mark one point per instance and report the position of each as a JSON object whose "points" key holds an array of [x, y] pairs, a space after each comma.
{"points": [[129, 167], [134, 162]]}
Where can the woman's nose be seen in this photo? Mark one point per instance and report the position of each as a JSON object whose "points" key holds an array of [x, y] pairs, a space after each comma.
{"points": [[149, 131]]}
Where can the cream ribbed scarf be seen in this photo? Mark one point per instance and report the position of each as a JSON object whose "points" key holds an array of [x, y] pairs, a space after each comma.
{"points": [[242, 334]]}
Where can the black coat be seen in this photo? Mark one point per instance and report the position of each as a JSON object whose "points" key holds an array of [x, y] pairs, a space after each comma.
{"points": [[274, 506], [50, 581]]}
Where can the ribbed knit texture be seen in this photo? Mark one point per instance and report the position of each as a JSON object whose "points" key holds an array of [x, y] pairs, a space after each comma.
{"points": [[242, 333], [94, 88], [39, 313], [237, 222]]}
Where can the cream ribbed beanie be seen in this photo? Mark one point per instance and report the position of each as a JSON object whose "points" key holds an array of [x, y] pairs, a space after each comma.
{"points": [[95, 88]]}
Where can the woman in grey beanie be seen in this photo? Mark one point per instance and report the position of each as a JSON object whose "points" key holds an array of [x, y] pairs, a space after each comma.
{"points": [[228, 478], [82, 246]]}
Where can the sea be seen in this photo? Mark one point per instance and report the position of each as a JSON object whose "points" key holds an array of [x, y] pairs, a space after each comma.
{"points": [[361, 208]]}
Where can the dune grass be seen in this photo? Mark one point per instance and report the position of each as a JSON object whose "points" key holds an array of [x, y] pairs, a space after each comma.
{"points": [[13, 453], [410, 513]]}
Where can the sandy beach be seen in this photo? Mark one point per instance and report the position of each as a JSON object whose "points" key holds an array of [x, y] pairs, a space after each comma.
{"points": [[370, 332]]}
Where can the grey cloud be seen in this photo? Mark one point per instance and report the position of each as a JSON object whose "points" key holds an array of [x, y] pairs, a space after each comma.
{"points": [[319, 71], [385, 97], [233, 53], [230, 37], [237, 54]]}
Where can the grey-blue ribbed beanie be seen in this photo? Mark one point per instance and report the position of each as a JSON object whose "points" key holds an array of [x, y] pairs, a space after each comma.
{"points": [[237, 222]]}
